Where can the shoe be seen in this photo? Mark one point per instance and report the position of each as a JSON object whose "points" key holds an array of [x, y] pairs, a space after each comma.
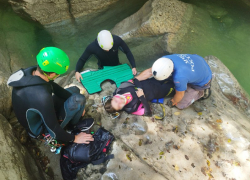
{"points": [[207, 93], [85, 124]]}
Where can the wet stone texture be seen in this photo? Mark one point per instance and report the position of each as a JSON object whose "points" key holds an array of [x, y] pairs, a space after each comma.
{"points": [[208, 140]]}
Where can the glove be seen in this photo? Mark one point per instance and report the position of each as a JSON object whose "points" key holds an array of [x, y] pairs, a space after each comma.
{"points": [[170, 103]]}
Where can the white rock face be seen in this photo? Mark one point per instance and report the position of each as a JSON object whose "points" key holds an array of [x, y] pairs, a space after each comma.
{"points": [[186, 144]]}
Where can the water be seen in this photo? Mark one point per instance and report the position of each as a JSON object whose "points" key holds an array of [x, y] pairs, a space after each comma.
{"points": [[24, 39], [227, 36], [20, 40]]}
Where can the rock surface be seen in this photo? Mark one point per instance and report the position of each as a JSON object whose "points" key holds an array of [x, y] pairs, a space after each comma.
{"points": [[158, 28], [16, 162], [47, 12], [229, 86], [5, 98], [186, 144], [17, 44]]}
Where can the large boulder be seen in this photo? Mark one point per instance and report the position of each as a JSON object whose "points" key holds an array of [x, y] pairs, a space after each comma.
{"points": [[229, 85], [160, 28], [48, 12], [16, 162], [44, 12], [186, 144]]}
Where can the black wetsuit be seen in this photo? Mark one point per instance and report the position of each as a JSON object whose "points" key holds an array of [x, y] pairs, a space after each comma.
{"points": [[33, 93], [152, 89], [106, 58]]}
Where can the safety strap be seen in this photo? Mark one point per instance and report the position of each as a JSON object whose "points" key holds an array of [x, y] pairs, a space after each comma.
{"points": [[102, 160]]}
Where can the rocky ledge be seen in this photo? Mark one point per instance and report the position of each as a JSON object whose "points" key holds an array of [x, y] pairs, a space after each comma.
{"points": [[209, 140]]}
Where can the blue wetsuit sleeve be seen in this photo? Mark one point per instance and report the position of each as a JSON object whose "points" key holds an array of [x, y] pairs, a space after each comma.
{"points": [[180, 84], [83, 59], [46, 108], [125, 49], [60, 92]]}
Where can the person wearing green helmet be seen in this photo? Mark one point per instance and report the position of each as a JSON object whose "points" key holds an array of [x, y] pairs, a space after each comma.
{"points": [[40, 112]]}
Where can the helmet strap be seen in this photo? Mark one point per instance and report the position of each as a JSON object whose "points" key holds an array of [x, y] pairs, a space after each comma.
{"points": [[51, 79]]}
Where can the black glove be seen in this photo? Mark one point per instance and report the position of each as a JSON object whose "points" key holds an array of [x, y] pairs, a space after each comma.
{"points": [[170, 103]]}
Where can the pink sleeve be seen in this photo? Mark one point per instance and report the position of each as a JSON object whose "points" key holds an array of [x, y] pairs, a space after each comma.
{"points": [[140, 111]]}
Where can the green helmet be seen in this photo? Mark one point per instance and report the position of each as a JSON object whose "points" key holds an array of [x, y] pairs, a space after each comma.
{"points": [[52, 59]]}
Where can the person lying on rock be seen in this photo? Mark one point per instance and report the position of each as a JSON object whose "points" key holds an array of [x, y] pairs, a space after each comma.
{"points": [[105, 49], [37, 110], [133, 96], [191, 74]]}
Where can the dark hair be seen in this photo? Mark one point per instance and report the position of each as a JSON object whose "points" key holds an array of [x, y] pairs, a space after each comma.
{"points": [[109, 108], [41, 71]]}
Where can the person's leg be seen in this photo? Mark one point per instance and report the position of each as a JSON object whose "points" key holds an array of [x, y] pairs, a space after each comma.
{"points": [[162, 88], [189, 98], [73, 107]]}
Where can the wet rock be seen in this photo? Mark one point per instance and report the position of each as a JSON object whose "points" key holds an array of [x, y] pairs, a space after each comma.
{"points": [[155, 26], [227, 21], [16, 161], [5, 98], [228, 85], [158, 111], [198, 106], [137, 125], [46, 12], [216, 12], [185, 145]]}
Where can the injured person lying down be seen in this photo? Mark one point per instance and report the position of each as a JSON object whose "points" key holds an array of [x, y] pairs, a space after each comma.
{"points": [[133, 96]]}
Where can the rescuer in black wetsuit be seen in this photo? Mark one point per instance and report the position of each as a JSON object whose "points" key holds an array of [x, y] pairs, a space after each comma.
{"points": [[35, 107], [105, 49]]}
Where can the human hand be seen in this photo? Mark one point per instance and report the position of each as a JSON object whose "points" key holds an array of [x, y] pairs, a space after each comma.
{"points": [[78, 76], [170, 103], [134, 71], [139, 92], [83, 138]]}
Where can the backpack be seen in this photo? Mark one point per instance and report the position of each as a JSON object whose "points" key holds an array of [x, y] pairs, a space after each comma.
{"points": [[76, 156]]}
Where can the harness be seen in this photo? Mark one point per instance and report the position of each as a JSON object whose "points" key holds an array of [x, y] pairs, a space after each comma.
{"points": [[126, 85]]}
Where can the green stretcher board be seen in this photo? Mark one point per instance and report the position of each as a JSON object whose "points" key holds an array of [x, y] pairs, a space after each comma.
{"points": [[92, 79]]}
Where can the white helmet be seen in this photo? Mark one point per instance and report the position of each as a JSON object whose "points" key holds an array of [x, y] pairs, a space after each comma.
{"points": [[105, 40], [162, 68]]}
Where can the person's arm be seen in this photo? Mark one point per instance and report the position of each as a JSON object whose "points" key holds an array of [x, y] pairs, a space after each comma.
{"points": [[177, 97], [83, 59], [147, 110], [81, 62], [180, 87], [46, 108], [60, 92], [125, 49], [144, 74]]}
